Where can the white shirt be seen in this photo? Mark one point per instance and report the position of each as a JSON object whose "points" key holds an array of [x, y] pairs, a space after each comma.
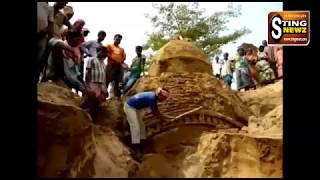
{"points": [[226, 68], [216, 67], [44, 14]]}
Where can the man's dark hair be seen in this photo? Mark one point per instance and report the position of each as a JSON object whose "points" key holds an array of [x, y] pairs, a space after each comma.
{"points": [[240, 49], [139, 47], [102, 48], [117, 35], [102, 33]]}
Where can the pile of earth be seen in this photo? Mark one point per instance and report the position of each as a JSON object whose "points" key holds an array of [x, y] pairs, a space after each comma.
{"points": [[194, 152], [70, 145]]}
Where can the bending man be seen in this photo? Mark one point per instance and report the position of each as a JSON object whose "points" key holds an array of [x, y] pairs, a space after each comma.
{"points": [[134, 109]]}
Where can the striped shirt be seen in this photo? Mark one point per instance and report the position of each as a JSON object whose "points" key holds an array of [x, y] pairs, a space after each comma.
{"points": [[97, 67]]}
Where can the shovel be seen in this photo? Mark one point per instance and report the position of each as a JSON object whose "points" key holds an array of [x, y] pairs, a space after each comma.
{"points": [[174, 118], [185, 113]]}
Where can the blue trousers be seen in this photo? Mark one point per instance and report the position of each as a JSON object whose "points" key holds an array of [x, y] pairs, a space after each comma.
{"points": [[227, 79], [129, 82]]}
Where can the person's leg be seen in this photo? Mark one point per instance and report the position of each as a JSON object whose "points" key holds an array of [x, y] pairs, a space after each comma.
{"points": [[81, 69], [94, 110], [129, 84], [143, 134], [42, 46], [57, 57], [109, 76], [133, 121], [111, 90], [126, 77], [238, 79], [228, 80], [117, 79]]}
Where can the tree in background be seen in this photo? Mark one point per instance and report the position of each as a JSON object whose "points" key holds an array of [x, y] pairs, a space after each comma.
{"points": [[190, 22]]}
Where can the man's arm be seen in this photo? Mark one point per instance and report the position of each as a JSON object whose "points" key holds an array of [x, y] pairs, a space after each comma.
{"points": [[142, 64], [50, 22], [67, 23], [60, 44], [50, 29], [88, 75], [87, 44], [85, 50], [162, 117], [124, 56]]}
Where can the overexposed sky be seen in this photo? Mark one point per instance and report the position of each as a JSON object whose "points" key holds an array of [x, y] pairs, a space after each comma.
{"points": [[128, 19]]}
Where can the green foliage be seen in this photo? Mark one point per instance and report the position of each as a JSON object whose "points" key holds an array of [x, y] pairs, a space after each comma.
{"points": [[190, 22]]}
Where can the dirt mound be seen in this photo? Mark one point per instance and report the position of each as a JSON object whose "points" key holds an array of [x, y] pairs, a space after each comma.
{"points": [[113, 159], [191, 153], [50, 92], [69, 145], [203, 152], [179, 56], [65, 135], [111, 114], [221, 107], [206, 143], [265, 99], [266, 103]]}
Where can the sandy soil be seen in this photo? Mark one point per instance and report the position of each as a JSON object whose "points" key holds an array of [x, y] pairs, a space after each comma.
{"points": [[198, 152], [70, 145]]}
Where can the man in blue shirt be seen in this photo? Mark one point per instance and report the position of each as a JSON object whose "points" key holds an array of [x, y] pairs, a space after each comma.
{"points": [[134, 109], [92, 46]]}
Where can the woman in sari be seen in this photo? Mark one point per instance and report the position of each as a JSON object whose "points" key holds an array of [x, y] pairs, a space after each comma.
{"points": [[242, 73], [252, 58]]}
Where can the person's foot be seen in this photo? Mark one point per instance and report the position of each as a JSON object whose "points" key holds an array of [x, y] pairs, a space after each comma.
{"points": [[144, 143], [137, 156], [146, 146], [136, 152], [126, 140]]}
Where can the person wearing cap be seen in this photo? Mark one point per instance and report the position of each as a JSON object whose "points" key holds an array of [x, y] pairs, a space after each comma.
{"points": [[135, 108], [116, 57]]}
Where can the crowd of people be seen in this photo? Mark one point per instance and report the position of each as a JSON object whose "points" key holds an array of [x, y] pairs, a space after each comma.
{"points": [[90, 66], [63, 53], [250, 68]]}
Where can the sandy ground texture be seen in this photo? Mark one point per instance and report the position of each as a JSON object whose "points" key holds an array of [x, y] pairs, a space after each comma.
{"points": [[235, 135], [200, 152], [267, 104], [69, 145]]}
